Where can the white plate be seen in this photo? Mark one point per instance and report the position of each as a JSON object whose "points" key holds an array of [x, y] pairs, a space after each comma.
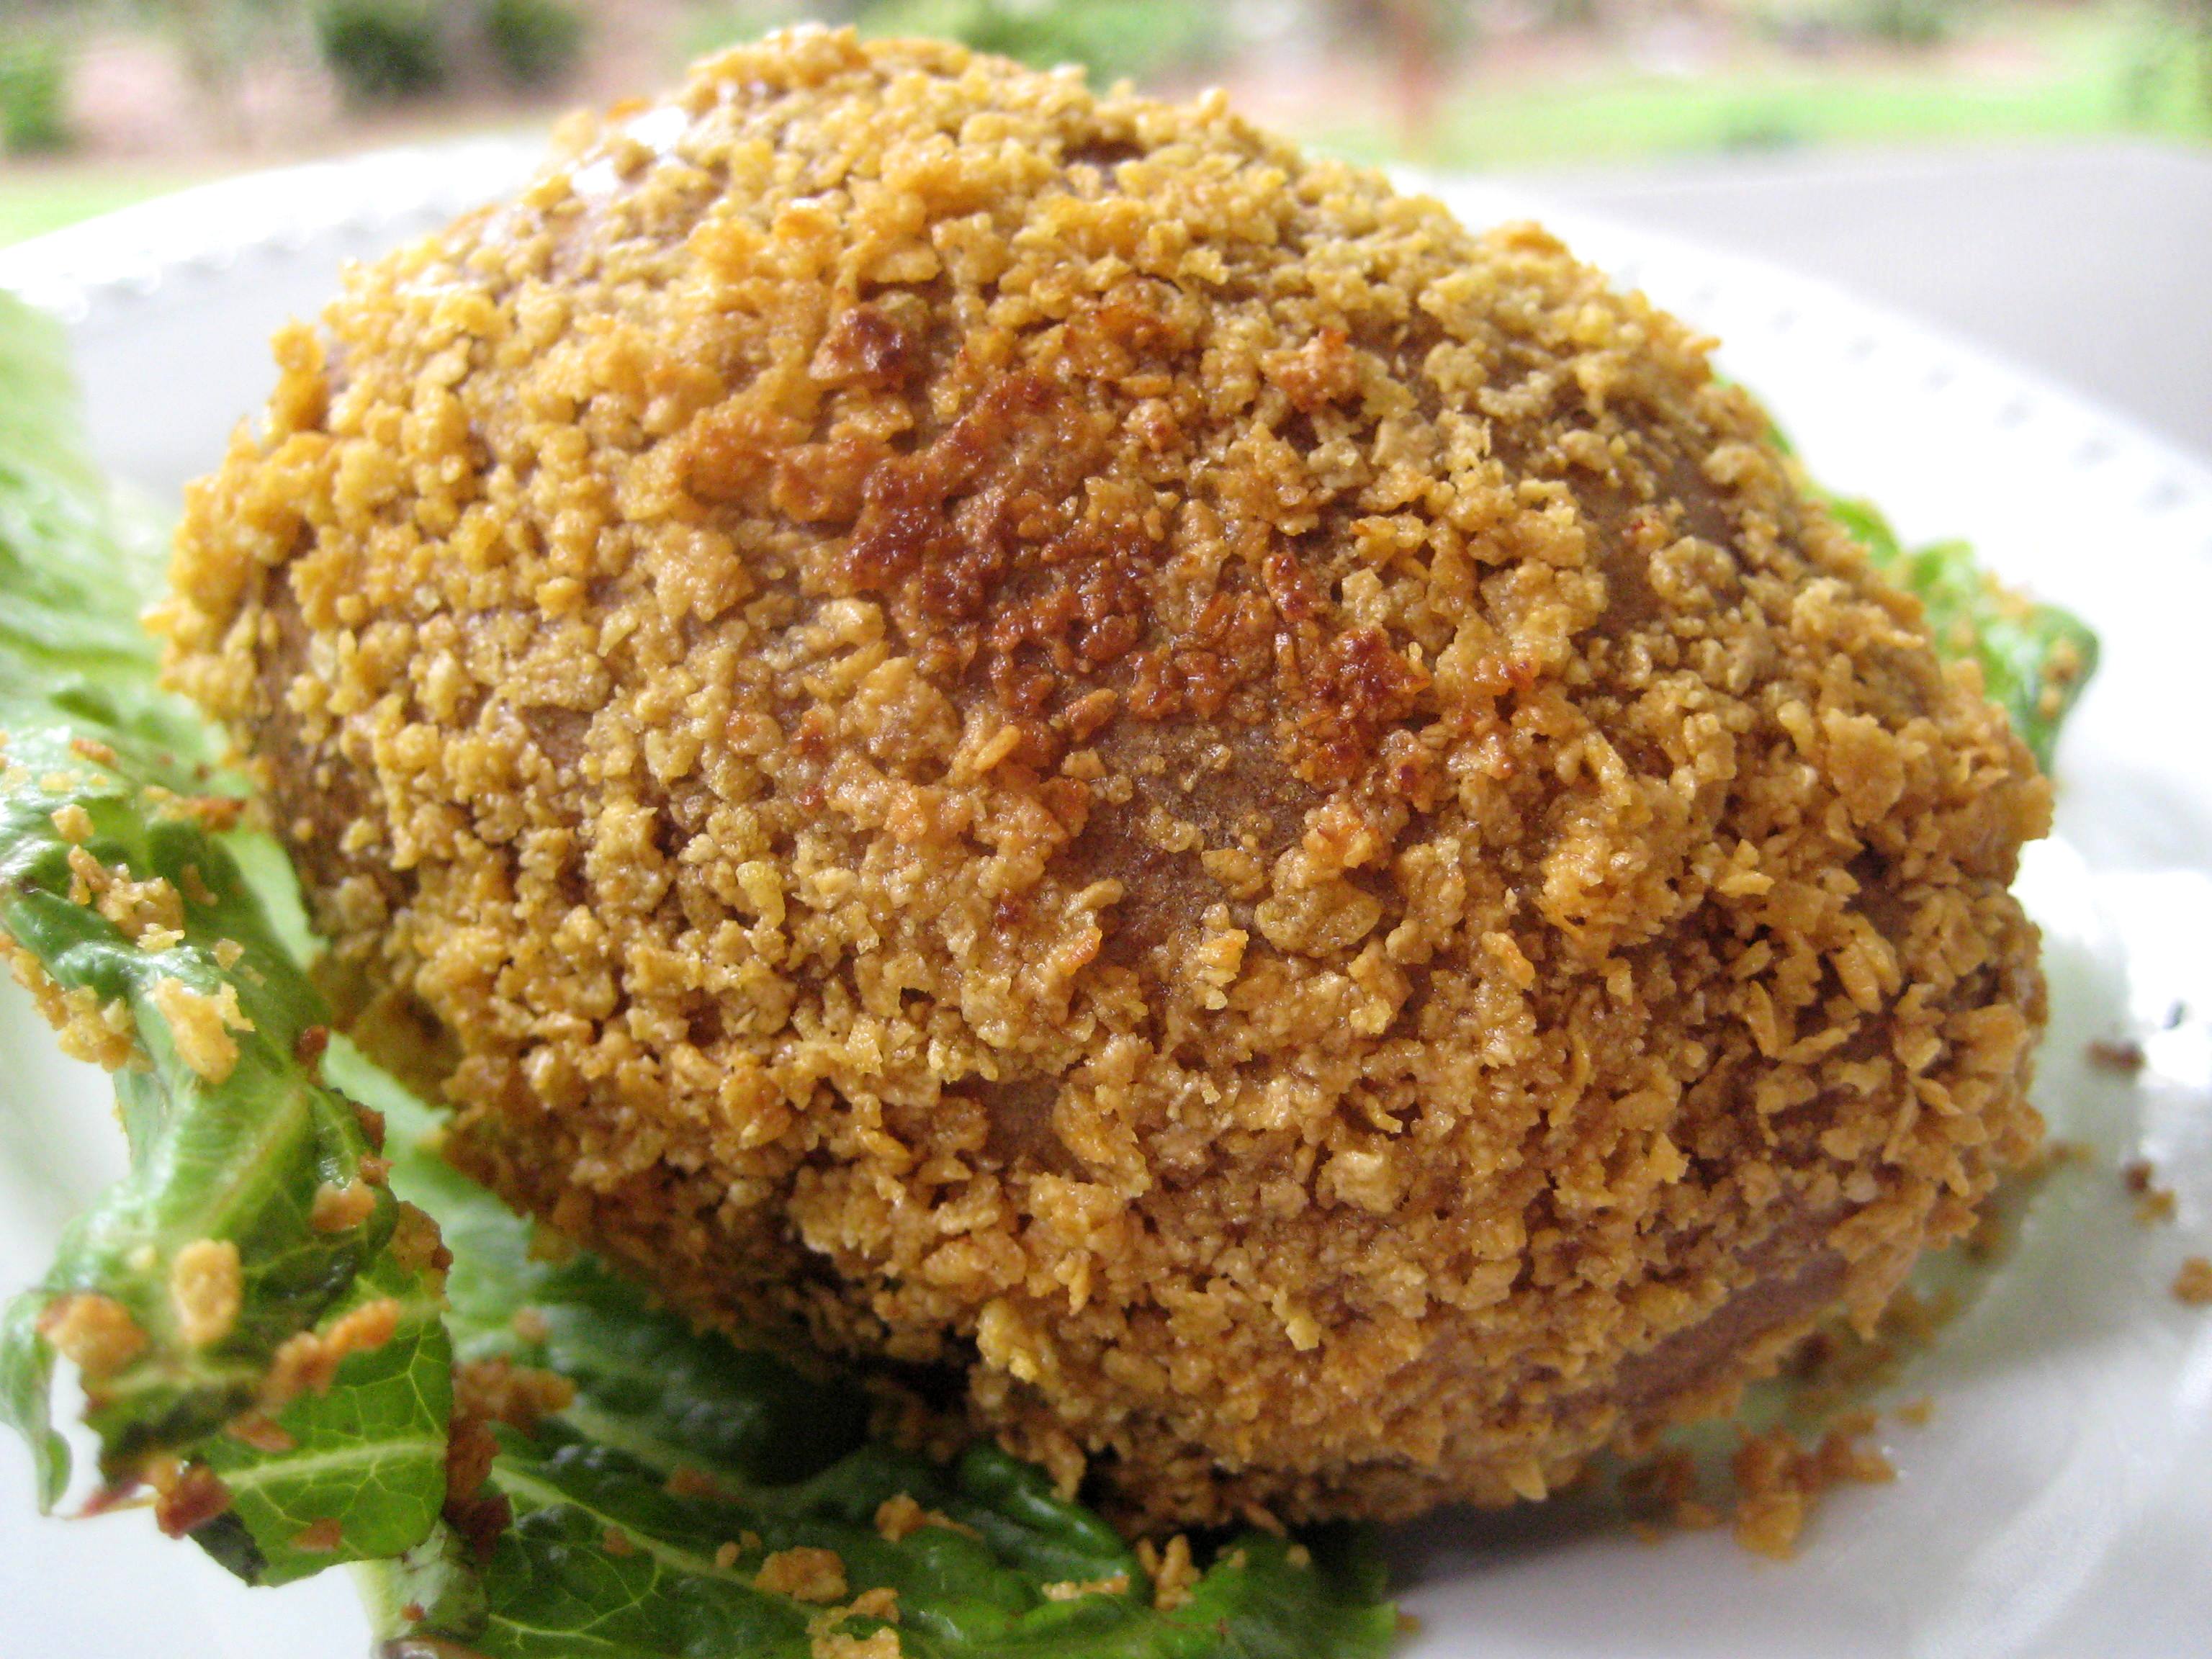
{"points": [[2059, 1503]]}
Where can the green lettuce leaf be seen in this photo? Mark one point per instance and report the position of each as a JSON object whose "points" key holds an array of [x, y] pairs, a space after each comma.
{"points": [[127, 912], [76, 563], [367, 1456]]}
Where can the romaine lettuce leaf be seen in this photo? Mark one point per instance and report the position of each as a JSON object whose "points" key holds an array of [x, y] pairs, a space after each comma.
{"points": [[210, 1298], [76, 563]]}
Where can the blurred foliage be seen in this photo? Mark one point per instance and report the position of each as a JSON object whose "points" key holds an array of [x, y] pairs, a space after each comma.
{"points": [[382, 50], [1445, 82], [1382, 28], [1814, 26], [1112, 39], [1909, 22], [2072, 73], [215, 42], [2176, 60], [536, 43], [33, 94]]}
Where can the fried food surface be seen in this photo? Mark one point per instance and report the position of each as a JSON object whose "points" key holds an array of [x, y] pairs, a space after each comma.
{"points": [[1014, 728]]}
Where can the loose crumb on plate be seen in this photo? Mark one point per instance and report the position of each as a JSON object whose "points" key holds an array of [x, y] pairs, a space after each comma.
{"points": [[2154, 1203], [2193, 1284], [1778, 1478], [2125, 1055]]}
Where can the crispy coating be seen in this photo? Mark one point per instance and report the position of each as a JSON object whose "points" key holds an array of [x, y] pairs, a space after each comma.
{"points": [[1017, 729]]}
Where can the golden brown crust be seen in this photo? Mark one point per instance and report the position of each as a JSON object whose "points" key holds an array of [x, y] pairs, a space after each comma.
{"points": [[1022, 729]]}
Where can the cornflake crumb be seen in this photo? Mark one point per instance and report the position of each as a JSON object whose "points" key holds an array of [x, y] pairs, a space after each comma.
{"points": [[261, 1431], [1836, 1366], [1777, 1479], [900, 1517], [478, 1515], [836, 1645], [186, 1496], [726, 1556], [217, 814], [201, 1022], [1071, 1589], [687, 1482], [1261, 1518], [416, 1244], [135, 908], [227, 953], [309, 1362], [2193, 1284], [2126, 1056], [881, 1602], [1173, 1575], [804, 1573], [520, 1396], [827, 1639], [470, 1446], [340, 1209], [1661, 1494], [89, 1030], [2153, 1203], [206, 1287], [96, 1333], [73, 824]]}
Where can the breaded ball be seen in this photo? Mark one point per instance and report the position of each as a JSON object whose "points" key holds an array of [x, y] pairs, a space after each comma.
{"points": [[1016, 729]]}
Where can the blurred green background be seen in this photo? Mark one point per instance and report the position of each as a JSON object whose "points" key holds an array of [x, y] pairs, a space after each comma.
{"points": [[105, 101]]}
